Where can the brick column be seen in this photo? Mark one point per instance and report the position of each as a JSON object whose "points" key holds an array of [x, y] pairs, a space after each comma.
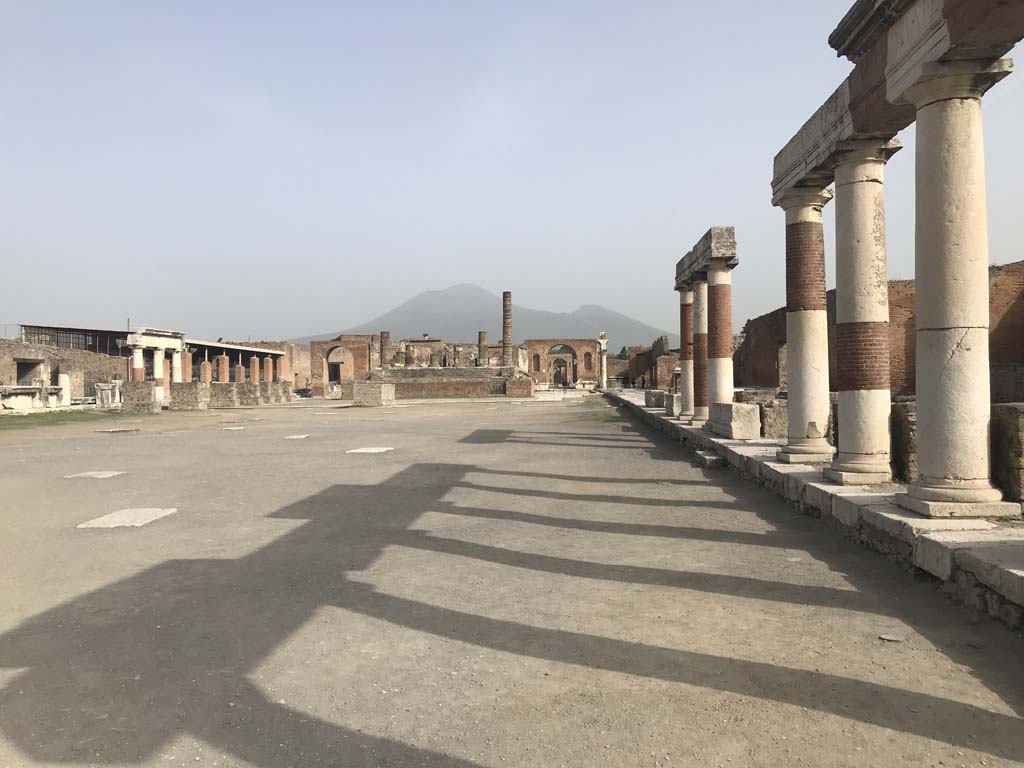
{"points": [[720, 377], [951, 297], [186, 365], [223, 365], [205, 372], [283, 372], [506, 329], [700, 352], [268, 369], [806, 327], [481, 344], [385, 347], [254, 369], [686, 388], [138, 364], [862, 316]]}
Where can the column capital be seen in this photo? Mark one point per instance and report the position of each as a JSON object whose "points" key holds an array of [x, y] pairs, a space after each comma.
{"points": [[795, 198], [968, 79]]}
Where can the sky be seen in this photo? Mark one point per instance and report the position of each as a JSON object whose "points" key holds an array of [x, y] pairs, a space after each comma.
{"points": [[270, 170]]}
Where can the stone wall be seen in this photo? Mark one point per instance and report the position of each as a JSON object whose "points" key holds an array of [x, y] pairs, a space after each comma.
{"points": [[190, 396], [223, 395], [363, 348], [85, 368], [138, 397], [297, 356], [756, 360], [373, 393], [1007, 434], [519, 387]]}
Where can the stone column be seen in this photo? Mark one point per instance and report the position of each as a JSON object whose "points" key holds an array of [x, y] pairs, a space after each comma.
{"points": [[720, 376], [186, 365], [138, 364], [602, 353], [158, 375], [506, 329], [806, 327], [481, 344], [268, 369], [223, 368], [385, 346], [283, 374], [951, 301], [862, 316], [240, 374], [686, 390], [176, 366], [205, 372], [254, 370], [700, 352]]}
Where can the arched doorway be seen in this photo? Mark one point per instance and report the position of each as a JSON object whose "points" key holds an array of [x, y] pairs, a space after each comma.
{"points": [[563, 365], [338, 365]]}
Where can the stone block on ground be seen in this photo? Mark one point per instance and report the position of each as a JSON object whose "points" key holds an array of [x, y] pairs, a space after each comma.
{"points": [[373, 393], [709, 459], [654, 398], [739, 421]]}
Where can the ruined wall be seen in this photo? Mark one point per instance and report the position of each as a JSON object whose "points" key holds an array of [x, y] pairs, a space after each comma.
{"points": [[365, 354], [85, 368], [756, 360], [539, 351], [617, 368], [296, 354]]}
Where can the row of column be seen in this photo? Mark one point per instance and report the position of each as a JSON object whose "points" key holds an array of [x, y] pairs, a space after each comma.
{"points": [[260, 369], [951, 307], [705, 348]]}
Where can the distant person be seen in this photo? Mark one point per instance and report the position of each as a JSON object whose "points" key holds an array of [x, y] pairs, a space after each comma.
{"points": [[643, 382]]}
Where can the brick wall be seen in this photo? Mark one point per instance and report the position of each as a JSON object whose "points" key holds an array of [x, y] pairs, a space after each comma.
{"points": [[756, 360]]}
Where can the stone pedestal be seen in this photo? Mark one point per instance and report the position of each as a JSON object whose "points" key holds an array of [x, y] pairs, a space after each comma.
{"points": [[674, 405], [373, 393], [739, 421]]}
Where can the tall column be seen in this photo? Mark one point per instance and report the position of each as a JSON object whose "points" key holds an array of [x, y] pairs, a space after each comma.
{"points": [[862, 316], [158, 375], [268, 369], [385, 347], [806, 327], [254, 370], [686, 389], [721, 386], [223, 368], [951, 301], [176, 366], [186, 365], [481, 343], [602, 351], [506, 329], [205, 372], [283, 374], [138, 364], [700, 352], [240, 374]]}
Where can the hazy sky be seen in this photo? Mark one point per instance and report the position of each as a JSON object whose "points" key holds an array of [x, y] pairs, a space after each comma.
{"points": [[275, 169]]}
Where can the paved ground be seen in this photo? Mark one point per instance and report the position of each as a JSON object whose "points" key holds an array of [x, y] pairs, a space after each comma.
{"points": [[514, 584]]}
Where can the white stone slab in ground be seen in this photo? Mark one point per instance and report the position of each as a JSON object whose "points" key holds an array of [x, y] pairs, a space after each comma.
{"points": [[372, 449], [128, 518], [296, 437], [102, 475], [117, 430], [232, 429]]}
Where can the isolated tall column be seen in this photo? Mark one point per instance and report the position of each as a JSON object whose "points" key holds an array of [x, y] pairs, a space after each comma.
{"points": [[700, 351], [806, 327], [506, 329], [862, 316], [686, 352], [952, 301], [602, 345], [481, 346], [720, 376], [385, 347]]}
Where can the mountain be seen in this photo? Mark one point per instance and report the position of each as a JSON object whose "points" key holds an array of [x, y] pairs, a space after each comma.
{"points": [[457, 313]]}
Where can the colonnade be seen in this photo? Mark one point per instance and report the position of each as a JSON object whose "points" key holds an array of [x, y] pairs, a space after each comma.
{"points": [[846, 145]]}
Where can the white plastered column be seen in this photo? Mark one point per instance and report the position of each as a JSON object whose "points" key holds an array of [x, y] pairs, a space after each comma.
{"points": [[138, 364], [808, 405], [686, 354], [176, 366], [862, 315], [158, 374], [602, 344], [952, 297], [721, 386]]}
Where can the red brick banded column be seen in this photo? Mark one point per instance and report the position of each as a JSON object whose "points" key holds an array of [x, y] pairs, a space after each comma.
{"points": [[268, 369], [506, 329], [385, 349], [138, 364], [700, 352], [806, 327], [205, 372], [254, 369], [481, 345], [283, 372], [720, 375], [686, 351], [186, 365], [223, 365], [862, 316]]}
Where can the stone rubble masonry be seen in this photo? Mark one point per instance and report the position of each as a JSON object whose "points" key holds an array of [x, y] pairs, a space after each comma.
{"points": [[1008, 449], [249, 393], [190, 396], [86, 369], [979, 561], [139, 397], [223, 395], [373, 393]]}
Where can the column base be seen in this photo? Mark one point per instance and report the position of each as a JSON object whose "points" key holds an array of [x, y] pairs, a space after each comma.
{"points": [[803, 458], [928, 508], [843, 477], [808, 451]]}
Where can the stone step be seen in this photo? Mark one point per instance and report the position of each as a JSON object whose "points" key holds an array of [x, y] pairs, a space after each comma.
{"points": [[709, 459]]}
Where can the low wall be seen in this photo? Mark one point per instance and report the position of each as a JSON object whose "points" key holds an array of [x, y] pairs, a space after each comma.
{"points": [[190, 396], [138, 397], [223, 395]]}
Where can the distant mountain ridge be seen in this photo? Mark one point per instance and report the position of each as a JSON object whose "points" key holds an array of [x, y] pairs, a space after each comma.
{"points": [[458, 312]]}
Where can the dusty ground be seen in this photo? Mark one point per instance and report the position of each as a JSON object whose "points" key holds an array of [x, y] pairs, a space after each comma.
{"points": [[513, 585]]}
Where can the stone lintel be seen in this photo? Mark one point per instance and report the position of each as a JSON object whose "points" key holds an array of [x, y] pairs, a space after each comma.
{"points": [[718, 243]]}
